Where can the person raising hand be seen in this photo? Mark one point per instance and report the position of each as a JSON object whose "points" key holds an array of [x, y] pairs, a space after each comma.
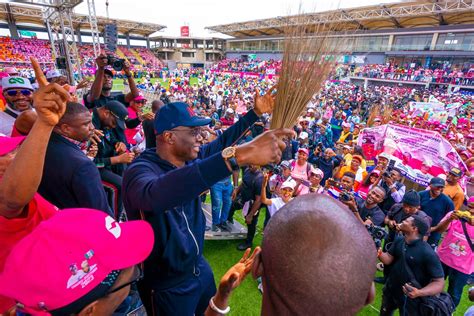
{"points": [[21, 169]]}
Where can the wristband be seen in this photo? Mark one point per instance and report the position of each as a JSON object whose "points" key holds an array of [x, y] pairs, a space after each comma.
{"points": [[217, 309], [128, 76]]}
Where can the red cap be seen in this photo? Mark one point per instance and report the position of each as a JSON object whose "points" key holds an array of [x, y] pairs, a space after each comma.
{"points": [[8, 144], [69, 255]]}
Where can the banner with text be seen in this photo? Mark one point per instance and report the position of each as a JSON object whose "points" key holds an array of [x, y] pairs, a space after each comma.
{"points": [[419, 154]]}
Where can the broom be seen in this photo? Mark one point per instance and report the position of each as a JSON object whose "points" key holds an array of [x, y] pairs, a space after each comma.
{"points": [[306, 63]]}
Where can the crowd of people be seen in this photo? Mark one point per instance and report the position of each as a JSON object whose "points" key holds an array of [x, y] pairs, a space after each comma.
{"points": [[411, 72], [17, 52], [117, 180]]}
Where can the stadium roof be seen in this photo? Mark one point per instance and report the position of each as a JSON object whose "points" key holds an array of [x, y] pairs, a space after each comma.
{"points": [[33, 15], [384, 16]]}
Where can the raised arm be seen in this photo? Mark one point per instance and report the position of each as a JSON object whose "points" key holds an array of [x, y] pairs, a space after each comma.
{"points": [[22, 178], [263, 193], [96, 88]]}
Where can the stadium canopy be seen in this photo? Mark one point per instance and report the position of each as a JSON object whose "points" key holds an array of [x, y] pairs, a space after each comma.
{"points": [[410, 14], [33, 15]]}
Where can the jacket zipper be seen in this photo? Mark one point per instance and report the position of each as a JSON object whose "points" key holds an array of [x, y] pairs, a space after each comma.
{"points": [[189, 230]]}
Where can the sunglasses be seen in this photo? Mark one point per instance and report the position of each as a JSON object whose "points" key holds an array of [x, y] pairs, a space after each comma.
{"points": [[13, 93], [194, 132], [140, 101]]}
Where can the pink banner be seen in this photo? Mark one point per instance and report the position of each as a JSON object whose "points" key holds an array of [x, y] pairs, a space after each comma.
{"points": [[245, 74], [418, 153]]}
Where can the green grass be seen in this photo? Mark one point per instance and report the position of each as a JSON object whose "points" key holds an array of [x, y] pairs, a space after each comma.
{"points": [[118, 83], [246, 299]]}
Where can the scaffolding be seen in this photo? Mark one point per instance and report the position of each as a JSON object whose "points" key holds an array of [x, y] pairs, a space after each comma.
{"points": [[94, 29], [58, 19]]}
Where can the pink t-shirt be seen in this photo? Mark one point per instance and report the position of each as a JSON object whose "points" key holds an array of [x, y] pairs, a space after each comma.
{"points": [[454, 250], [15, 229], [131, 132], [300, 172]]}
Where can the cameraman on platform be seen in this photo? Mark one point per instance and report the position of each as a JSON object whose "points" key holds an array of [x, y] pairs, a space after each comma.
{"points": [[101, 89]]}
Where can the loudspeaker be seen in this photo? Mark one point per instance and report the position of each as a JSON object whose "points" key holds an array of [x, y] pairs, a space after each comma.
{"points": [[61, 62]]}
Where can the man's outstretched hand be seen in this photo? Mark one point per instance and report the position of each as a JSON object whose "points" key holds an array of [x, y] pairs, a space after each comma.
{"points": [[235, 275]]}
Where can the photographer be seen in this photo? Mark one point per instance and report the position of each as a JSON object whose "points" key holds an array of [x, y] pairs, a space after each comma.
{"points": [[327, 162], [394, 189], [346, 184], [410, 251], [277, 179], [368, 211], [101, 89]]}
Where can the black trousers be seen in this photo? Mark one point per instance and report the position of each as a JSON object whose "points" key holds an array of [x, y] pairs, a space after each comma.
{"points": [[405, 305]]}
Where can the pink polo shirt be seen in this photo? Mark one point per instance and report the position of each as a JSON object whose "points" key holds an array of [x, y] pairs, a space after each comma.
{"points": [[454, 250]]}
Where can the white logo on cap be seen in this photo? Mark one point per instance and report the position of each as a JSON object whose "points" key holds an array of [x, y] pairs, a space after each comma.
{"points": [[113, 227]]}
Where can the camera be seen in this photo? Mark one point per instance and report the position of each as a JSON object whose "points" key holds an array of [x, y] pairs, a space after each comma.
{"points": [[345, 196], [116, 63], [273, 169], [333, 183], [378, 234], [386, 174]]}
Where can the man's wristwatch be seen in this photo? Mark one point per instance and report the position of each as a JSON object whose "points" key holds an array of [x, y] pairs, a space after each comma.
{"points": [[229, 156]]}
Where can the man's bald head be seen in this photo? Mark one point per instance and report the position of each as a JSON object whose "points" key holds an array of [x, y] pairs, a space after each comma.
{"points": [[317, 258]]}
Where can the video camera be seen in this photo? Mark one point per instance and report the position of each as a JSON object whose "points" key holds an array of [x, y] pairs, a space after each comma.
{"points": [[273, 169], [378, 234], [116, 63]]}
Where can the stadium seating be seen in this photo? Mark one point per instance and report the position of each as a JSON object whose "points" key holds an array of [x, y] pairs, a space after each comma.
{"points": [[18, 51]]}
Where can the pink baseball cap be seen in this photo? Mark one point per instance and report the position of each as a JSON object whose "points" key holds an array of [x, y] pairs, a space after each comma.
{"points": [[8, 144], [139, 98], [74, 257], [304, 150], [317, 172]]}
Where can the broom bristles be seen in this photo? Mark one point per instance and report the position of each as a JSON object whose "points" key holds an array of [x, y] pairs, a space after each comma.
{"points": [[307, 62]]}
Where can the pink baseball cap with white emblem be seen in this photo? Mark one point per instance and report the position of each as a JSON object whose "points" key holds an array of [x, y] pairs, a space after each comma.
{"points": [[69, 256]]}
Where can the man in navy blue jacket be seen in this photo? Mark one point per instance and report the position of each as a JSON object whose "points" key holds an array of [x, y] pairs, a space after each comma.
{"points": [[163, 186], [70, 178]]}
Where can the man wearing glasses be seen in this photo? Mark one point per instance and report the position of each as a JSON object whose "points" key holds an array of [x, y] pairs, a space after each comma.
{"points": [[163, 186], [18, 93]]}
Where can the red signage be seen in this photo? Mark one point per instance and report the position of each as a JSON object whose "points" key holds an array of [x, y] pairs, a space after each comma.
{"points": [[185, 31]]}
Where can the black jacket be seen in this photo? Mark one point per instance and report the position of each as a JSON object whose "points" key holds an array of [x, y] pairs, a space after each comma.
{"points": [[70, 178]]}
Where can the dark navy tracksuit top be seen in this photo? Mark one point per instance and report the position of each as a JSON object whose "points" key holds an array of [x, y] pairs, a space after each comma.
{"points": [[167, 197]]}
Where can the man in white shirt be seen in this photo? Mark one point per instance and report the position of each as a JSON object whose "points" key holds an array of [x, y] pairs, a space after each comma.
{"points": [[219, 100], [18, 93]]}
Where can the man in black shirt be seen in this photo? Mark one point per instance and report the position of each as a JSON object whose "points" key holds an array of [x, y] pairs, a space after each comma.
{"points": [[368, 211], [399, 292], [401, 211], [101, 89], [249, 191]]}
